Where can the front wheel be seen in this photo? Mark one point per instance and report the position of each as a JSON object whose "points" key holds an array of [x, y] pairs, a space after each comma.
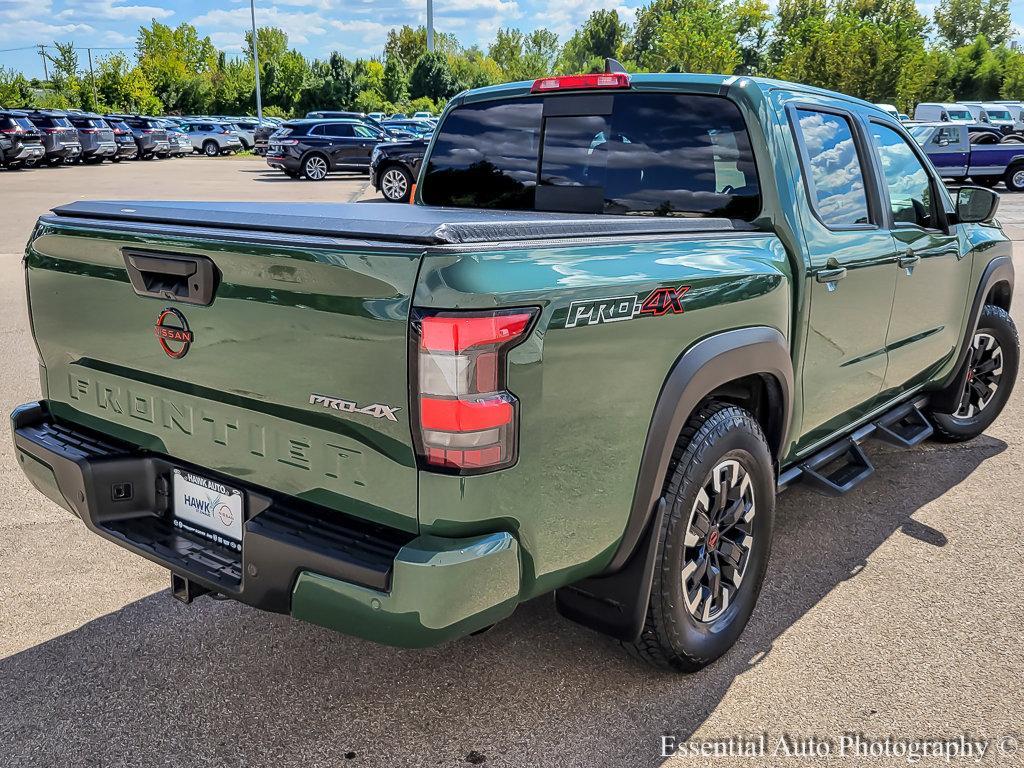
{"points": [[991, 372], [714, 541], [395, 184]]}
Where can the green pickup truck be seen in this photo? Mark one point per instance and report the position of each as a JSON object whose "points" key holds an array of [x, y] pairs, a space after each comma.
{"points": [[621, 316]]}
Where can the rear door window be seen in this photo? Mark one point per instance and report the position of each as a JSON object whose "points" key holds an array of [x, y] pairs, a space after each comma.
{"points": [[834, 171], [622, 153]]}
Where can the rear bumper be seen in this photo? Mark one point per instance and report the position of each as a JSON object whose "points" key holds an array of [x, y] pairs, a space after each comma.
{"points": [[317, 564]]}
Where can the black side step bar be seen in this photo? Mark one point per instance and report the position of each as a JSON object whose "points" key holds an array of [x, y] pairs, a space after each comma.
{"points": [[906, 426], [843, 465], [846, 465]]}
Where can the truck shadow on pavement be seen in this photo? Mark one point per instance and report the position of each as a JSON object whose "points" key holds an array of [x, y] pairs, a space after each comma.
{"points": [[216, 683]]}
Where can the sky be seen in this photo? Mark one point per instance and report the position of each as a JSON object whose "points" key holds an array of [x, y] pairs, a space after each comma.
{"points": [[356, 28]]}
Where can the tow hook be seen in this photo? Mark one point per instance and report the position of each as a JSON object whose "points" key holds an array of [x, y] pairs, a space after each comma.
{"points": [[184, 590]]}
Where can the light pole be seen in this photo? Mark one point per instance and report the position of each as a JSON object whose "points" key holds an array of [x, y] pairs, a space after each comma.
{"points": [[256, 62], [430, 25]]}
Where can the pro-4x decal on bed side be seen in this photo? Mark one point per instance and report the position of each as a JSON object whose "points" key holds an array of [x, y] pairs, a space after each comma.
{"points": [[660, 301]]}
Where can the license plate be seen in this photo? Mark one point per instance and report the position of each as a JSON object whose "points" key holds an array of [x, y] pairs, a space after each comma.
{"points": [[208, 508]]}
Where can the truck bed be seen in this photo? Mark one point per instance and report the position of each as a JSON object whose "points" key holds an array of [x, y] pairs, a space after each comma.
{"points": [[388, 223]]}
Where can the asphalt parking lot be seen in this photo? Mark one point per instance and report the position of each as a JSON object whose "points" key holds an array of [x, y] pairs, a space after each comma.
{"points": [[896, 611]]}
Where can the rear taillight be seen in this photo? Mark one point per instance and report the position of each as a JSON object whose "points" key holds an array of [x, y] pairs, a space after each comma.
{"points": [[607, 80], [467, 418], [89, 130], [15, 129], [286, 142]]}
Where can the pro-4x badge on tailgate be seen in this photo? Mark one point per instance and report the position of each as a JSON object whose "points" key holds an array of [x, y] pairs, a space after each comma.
{"points": [[377, 410], [660, 301], [173, 333]]}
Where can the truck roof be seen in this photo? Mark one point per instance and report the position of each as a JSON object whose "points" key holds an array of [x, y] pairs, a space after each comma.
{"points": [[701, 82]]}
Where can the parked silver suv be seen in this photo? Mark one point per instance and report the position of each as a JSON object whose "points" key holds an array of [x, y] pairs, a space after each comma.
{"points": [[212, 137]]}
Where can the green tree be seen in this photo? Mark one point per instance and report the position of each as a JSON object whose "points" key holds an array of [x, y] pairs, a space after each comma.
{"points": [[272, 44], [331, 84], [408, 44], [699, 35], [861, 47], [524, 56], [433, 77], [959, 22], [15, 90], [123, 87], [602, 35], [474, 69], [395, 85], [977, 72], [178, 63], [64, 80], [285, 77]]}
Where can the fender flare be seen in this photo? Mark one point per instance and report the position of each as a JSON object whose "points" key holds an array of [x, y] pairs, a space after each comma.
{"points": [[999, 270], [615, 602], [700, 370]]}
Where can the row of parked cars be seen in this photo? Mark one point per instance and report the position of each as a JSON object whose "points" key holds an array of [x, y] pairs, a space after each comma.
{"points": [[30, 137], [390, 149]]}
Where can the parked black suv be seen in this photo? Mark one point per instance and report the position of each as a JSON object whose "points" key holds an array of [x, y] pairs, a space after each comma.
{"points": [[127, 149], [95, 135], [21, 143], [60, 137], [394, 168], [314, 148], [150, 135]]}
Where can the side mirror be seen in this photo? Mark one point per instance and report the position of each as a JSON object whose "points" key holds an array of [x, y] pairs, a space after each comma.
{"points": [[976, 205]]}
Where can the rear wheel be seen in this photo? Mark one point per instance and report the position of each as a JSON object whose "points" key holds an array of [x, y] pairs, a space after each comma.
{"points": [[1014, 178], [992, 364], [210, 148], [395, 184], [315, 168], [714, 541]]}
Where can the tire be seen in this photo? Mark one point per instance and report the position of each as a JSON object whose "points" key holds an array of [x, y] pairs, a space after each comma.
{"points": [[684, 630], [1014, 178], [993, 360], [396, 184], [315, 168], [210, 148], [986, 181]]}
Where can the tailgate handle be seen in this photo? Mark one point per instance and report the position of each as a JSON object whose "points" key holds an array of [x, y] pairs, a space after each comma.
{"points": [[177, 277]]}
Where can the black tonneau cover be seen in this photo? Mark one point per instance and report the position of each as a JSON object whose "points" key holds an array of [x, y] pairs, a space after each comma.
{"points": [[413, 224]]}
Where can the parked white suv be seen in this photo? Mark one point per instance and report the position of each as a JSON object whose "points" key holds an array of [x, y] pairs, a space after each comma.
{"points": [[212, 137]]}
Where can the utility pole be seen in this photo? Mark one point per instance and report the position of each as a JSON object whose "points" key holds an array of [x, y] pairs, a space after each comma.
{"points": [[430, 25], [92, 79], [42, 55], [256, 62]]}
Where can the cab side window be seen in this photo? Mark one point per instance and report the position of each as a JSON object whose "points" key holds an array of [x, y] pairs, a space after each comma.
{"points": [[834, 169], [911, 196]]}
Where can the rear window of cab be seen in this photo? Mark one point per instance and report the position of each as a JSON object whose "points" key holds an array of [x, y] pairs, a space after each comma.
{"points": [[653, 154]]}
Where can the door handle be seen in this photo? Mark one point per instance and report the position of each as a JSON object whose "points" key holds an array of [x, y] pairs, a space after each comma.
{"points": [[907, 259], [830, 274]]}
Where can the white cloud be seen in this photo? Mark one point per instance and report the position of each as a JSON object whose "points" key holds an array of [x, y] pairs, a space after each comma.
{"points": [[111, 10], [564, 16], [299, 25]]}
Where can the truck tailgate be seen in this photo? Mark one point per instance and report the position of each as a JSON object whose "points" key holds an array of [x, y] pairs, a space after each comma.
{"points": [[293, 377]]}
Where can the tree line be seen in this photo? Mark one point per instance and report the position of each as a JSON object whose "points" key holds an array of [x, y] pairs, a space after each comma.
{"points": [[880, 50]]}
